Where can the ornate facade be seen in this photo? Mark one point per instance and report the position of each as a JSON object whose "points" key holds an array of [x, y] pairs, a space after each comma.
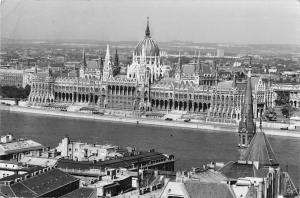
{"points": [[11, 77], [291, 92], [146, 62], [147, 87]]}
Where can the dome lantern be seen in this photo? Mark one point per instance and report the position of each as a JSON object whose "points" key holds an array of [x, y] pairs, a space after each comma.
{"points": [[151, 48], [147, 31]]}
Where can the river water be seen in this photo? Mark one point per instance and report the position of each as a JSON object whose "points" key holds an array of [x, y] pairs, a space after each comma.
{"points": [[192, 148]]}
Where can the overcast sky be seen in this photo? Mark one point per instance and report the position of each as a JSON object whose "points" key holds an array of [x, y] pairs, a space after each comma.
{"points": [[225, 21]]}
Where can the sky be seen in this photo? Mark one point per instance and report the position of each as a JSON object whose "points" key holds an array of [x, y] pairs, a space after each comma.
{"points": [[213, 21]]}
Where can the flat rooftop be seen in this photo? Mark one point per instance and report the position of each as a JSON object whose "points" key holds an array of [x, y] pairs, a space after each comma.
{"points": [[19, 146], [122, 162]]}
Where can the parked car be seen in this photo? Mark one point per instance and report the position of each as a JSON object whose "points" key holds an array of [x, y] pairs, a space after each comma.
{"points": [[169, 119], [284, 128], [187, 120]]}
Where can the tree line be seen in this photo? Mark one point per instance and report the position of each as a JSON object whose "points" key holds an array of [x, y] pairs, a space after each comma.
{"points": [[15, 92]]}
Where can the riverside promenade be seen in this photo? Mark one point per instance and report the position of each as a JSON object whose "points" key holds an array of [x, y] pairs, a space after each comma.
{"points": [[193, 124]]}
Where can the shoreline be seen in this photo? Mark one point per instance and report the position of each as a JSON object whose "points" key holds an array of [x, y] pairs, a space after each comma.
{"points": [[211, 127]]}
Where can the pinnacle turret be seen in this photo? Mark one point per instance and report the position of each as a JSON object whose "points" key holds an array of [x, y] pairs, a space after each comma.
{"points": [[84, 59]]}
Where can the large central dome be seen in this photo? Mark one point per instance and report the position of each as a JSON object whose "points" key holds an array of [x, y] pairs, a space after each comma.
{"points": [[148, 43]]}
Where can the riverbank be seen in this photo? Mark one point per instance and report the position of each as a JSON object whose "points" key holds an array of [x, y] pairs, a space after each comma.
{"points": [[143, 121]]}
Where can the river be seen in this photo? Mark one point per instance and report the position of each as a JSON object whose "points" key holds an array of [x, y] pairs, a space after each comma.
{"points": [[192, 148]]}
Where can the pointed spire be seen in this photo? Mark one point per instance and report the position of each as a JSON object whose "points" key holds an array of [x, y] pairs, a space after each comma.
{"points": [[100, 62], [217, 74], [35, 69], [116, 69], [234, 79], [179, 63], [247, 112], [250, 72], [247, 127], [84, 59], [178, 68], [49, 70], [116, 60], [133, 57], [147, 31], [107, 56]]}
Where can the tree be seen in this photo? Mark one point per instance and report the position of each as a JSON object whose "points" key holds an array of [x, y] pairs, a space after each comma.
{"points": [[27, 91], [282, 98], [270, 114], [287, 110], [15, 92]]}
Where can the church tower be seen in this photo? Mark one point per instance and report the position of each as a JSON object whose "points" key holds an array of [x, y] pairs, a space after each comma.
{"points": [[247, 127], [107, 69]]}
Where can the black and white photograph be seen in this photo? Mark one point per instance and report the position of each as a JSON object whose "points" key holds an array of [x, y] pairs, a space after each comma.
{"points": [[150, 98]]}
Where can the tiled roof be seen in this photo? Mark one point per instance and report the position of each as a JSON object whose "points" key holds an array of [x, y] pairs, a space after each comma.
{"points": [[235, 170], [254, 81], [226, 85], [208, 190], [260, 150], [188, 69], [81, 193], [38, 185], [209, 176], [92, 65]]}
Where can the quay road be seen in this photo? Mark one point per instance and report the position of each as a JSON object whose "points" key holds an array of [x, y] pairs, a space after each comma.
{"points": [[193, 124]]}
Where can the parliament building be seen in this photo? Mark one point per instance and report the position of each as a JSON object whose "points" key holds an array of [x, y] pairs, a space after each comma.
{"points": [[147, 87]]}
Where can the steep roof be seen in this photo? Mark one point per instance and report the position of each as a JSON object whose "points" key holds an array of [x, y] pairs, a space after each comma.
{"points": [[254, 81], [235, 170], [38, 185], [226, 85], [247, 110], [92, 64], [196, 189], [81, 193], [260, 150]]}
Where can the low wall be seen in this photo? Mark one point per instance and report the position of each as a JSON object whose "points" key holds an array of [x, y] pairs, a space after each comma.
{"points": [[8, 101], [172, 124]]}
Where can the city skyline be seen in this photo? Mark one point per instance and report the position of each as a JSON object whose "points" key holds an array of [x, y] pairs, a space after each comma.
{"points": [[203, 21]]}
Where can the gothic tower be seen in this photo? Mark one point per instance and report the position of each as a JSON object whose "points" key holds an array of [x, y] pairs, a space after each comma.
{"points": [[83, 66], [116, 69], [84, 59], [247, 127], [107, 69], [35, 69], [178, 71]]}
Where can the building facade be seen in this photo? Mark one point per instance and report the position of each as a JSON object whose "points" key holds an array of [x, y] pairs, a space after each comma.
{"points": [[148, 87], [289, 91], [11, 77]]}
